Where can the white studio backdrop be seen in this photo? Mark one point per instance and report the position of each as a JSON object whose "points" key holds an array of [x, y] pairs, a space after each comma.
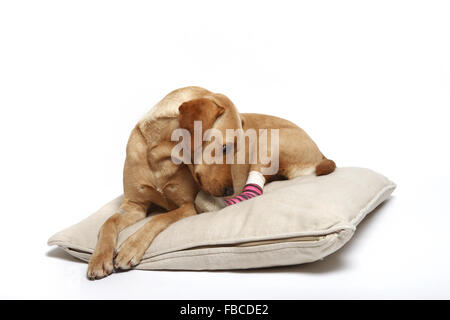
{"points": [[368, 80]]}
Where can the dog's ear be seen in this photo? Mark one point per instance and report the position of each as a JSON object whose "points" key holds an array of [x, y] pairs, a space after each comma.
{"points": [[203, 109]]}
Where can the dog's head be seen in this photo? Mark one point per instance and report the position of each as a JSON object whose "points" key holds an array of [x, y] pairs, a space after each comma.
{"points": [[216, 113]]}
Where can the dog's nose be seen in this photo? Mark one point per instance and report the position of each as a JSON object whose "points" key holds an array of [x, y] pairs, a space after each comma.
{"points": [[227, 191]]}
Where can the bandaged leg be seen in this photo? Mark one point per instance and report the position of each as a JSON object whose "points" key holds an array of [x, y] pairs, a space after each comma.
{"points": [[253, 188]]}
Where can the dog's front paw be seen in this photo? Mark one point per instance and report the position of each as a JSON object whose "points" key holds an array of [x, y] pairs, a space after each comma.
{"points": [[100, 265], [130, 253]]}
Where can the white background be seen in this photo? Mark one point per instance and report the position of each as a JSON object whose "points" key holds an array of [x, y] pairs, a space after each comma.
{"points": [[368, 80]]}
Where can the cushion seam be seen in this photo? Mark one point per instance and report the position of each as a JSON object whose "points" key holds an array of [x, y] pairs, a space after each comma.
{"points": [[288, 245]]}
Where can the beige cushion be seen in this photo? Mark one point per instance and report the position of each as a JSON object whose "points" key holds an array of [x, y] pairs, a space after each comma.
{"points": [[293, 222]]}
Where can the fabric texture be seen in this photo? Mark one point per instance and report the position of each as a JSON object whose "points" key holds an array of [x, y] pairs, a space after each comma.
{"points": [[293, 222]]}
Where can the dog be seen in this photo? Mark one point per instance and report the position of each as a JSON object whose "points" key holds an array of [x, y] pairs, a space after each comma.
{"points": [[152, 177]]}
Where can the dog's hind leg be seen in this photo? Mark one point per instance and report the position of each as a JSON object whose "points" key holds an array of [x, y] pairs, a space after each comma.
{"points": [[132, 250]]}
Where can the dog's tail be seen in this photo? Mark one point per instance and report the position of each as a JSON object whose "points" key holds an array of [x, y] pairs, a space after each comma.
{"points": [[325, 166]]}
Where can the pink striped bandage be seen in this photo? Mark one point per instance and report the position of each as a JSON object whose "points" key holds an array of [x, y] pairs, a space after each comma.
{"points": [[253, 188]]}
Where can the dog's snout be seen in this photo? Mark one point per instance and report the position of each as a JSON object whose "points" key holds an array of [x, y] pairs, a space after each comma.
{"points": [[227, 191]]}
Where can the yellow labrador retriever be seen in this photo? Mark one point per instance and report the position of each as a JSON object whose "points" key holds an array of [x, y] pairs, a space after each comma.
{"points": [[151, 176]]}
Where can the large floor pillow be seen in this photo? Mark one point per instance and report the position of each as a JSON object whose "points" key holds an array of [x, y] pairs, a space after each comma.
{"points": [[293, 222]]}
